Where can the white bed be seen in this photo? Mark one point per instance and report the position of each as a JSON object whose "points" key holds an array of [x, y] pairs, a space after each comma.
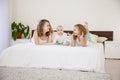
{"points": [[90, 58]]}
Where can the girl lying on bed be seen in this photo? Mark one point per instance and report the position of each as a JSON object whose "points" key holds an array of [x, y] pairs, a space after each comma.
{"points": [[61, 38], [79, 35], [43, 34]]}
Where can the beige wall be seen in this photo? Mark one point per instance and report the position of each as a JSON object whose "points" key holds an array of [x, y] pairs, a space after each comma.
{"points": [[101, 14]]}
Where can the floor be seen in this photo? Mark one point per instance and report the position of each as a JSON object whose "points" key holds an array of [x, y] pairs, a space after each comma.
{"points": [[113, 67], [19, 73]]}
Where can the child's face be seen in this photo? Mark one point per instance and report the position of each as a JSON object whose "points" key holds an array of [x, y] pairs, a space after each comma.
{"points": [[46, 27], [60, 30], [76, 31]]}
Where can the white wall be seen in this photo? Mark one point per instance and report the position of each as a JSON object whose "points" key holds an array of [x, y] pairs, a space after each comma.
{"points": [[100, 14], [4, 25]]}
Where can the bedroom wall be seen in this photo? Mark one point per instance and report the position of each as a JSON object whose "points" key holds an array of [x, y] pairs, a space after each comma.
{"points": [[4, 25], [100, 14]]}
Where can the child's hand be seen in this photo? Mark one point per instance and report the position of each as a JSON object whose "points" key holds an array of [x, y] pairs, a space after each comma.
{"points": [[82, 35], [68, 34]]}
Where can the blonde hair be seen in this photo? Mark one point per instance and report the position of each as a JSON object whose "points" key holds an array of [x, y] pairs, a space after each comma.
{"points": [[59, 26], [81, 29]]}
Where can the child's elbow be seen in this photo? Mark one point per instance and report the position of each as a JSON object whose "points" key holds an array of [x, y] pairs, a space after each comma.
{"points": [[73, 45], [84, 45]]}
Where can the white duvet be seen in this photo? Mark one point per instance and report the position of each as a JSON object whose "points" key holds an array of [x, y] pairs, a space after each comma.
{"points": [[90, 58]]}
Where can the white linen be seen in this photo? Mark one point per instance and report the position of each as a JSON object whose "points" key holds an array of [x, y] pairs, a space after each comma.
{"points": [[90, 58]]}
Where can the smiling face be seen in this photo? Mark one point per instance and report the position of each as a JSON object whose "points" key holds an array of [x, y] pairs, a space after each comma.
{"points": [[46, 27], [76, 31], [60, 30], [79, 30]]}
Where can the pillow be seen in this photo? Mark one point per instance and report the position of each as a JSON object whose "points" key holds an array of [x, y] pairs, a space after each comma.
{"points": [[101, 39], [92, 37]]}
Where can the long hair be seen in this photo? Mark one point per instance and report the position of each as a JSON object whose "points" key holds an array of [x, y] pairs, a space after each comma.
{"points": [[81, 29], [40, 28]]}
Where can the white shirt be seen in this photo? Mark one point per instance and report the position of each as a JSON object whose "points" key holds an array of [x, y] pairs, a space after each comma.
{"points": [[60, 39], [40, 41]]}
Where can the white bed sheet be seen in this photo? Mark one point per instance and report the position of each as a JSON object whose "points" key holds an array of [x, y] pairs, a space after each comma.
{"points": [[90, 58]]}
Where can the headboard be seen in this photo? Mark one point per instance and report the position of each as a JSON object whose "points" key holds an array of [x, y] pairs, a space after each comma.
{"points": [[107, 34]]}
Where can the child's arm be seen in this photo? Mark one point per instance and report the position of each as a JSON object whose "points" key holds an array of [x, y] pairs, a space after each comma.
{"points": [[65, 42], [73, 42], [50, 40], [55, 38], [36, 38], [83, 40], [69, 34]]}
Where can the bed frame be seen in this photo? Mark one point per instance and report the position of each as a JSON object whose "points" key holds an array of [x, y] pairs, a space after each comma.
{"points": [[107, 34]]}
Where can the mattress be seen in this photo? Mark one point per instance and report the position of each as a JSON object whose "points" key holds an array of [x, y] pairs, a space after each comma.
{"points": [[90, 58]]}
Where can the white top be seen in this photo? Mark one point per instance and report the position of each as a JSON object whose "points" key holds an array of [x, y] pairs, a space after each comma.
{"points": [[78, 43], [60, 39], [40, 41]]}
